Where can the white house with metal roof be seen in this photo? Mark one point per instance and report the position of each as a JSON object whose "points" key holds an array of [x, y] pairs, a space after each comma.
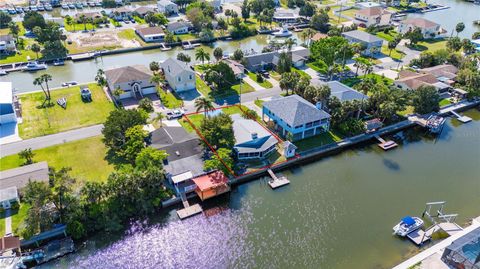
{"points": [[252, 141], [180, 75], [7, 109], [295, 117], [371, 44], [340, 90]]}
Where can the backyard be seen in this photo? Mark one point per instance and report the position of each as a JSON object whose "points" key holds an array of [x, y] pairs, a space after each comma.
{"points": [[205, 90], [318, 140], [265, 83], [86, 157], [38, 121]]}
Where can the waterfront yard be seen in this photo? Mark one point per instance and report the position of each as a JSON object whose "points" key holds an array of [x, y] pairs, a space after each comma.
{"points": [[38, 121], [318, 140], [86, 157], [431, 45], [205, 90], [265, 83]]}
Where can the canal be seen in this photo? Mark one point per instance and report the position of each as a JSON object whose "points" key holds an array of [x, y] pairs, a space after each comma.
{"points": [[337, 212]]}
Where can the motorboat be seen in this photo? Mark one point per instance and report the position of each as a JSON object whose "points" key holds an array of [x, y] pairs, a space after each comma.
{"points": [[34, 66], [3, 72], [33, 8], [62, 102], [98, 4], [435, 123], [407, 225], [64, 6], [48, 7], [284, 32], [91, 4], [41, 8], [69, 83], [58, 62], [79, 5], [71, 6], [11, 11]]}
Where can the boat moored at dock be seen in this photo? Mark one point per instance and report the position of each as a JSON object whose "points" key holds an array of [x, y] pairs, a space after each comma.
{"points": [[435, 123], [284, 32], [34, 66], [407, 225]]}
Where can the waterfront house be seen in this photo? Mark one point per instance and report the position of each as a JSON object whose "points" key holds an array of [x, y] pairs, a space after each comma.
{"points": [[8, 196], [7, 44], [269, 60], [142, 11], [373, 16], [179, 75], [7, 108], [252, 140], [372, 44], [284, 16], [134, 81], [167, 7], [463, 252], [428, 28], [296, 118], [151, 34], [121, 14], [318, 36], [20, 176], [179, 27], [442, 77], [340, 90], [445, 73], [237, 68], [211, 184]]}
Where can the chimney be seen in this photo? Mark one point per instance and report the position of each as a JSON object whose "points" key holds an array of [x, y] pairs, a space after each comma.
{"points": [[254, 135]]}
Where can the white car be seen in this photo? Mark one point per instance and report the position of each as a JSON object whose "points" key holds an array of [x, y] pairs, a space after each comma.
{"points": [[175, 114]]}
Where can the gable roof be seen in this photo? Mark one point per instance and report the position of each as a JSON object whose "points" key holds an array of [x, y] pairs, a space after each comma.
{"points": [[372, 11], [414, 82], [174, 67], [294, 110], [420, 22], [127, 74], [236, 67], [362, 36], [19, 177], [250, 136], [9, 193], [340, 90], [443, 70], [319, 36], [261, 58], [177, 25], [144, 10], [156, 30]]}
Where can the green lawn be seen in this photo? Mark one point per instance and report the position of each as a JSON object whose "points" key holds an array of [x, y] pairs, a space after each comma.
{"points": [[169, 99], [266, 84], [316, 141], [389, 37], [379, 79], [234, 110], [301, 73], [206, 91], [202, 87], [349, 12], [39, 121], [15, 58], [78, 27], [275, 75], [394, 54], [259, 103], [185, 37], [408, 110], [129, 34], [201, 68], [86, 157], [17, 219], [444, 102], [431, 45]]}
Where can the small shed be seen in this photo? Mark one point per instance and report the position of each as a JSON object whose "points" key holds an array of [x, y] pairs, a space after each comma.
{"points": [[211, 185]]}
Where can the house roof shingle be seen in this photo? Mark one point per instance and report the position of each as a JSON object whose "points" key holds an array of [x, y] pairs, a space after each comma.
{"points": [[341, 91], [420, 22], [373, 11], [245, 129], [363, 36], [175, 67], [294, 110], [173, 26], [19, 177], [127, 74], [150, 31]]}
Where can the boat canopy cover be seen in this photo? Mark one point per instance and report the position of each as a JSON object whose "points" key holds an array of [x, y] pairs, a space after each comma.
{"points": [[408, 220]]}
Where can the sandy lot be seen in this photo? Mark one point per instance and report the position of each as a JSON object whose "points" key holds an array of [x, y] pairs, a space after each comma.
{"points": [[103, 38]]}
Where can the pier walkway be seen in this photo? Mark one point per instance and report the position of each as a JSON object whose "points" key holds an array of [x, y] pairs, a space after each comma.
{"points": [[277, 182], [188, 210], [461, 118]]}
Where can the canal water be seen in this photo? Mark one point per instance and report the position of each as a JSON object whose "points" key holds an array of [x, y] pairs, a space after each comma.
{"points": [[337, 212], [459, 11]]}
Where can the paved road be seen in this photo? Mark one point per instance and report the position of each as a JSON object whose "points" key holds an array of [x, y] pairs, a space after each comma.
{"points": [[50, 140]]}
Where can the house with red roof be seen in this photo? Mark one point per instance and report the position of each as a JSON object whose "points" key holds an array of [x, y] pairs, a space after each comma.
{"points": [[211, 184]]}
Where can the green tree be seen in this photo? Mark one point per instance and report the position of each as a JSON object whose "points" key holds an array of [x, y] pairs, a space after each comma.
{"points": [[222, 162], [63, 197], [245, 10], [238, 55], [221, 75], [14, 30], [83, 20], [459, 27], [218, 53], [154, 67], [5, 19], [414, 36], [32, 19], [27, 155], [69, 21], [183, 57], [218, 131], [205, 104], [320, 21], [476, 35], [454, 44], [117, 124], [284, 62], [308, 10], [150, 157], [100, 78], [202, 55], [425, 99], [36, 48], [392, 44], [146, 104], [159, 117], [134, 143], [289, 81]]}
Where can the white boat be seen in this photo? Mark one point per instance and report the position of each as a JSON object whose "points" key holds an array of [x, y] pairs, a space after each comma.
{"points": [[64, 6], [284, 32], [407, 225], [3, 72], [58, 62], [435, 123], [34, 66]]}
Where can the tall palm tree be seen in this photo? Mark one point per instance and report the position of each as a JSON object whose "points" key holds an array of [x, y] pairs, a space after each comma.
{"points": [[70, 21], [204, 104], [202, 55], [154, 67], [158, 118], [289, 43], [36, 48], [39, 82], [157, 79], [46, 78], [83, 19], [218, 53]]}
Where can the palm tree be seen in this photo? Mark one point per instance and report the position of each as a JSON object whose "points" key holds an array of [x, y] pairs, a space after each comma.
{"points": [[204, 104], [158, 118], [35, 48], [14, 30], [39, 82], [83, 19], [117, 92], [218, 53], [289, 43], [46, 78], [459, 28], [27, 154], [157, 79], [100, 78], [202, 55], [70, 22]]}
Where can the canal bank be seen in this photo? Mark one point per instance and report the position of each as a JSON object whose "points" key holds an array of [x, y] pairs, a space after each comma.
{"points": [[336, 213]]}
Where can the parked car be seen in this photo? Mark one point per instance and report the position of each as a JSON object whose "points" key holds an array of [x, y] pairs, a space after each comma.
{"points": [[175, 114], [266, 74], [86, 94]]}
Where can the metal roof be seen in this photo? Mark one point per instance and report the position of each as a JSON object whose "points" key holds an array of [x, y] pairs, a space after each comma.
{"points": [[362, 36], [182, 177]]}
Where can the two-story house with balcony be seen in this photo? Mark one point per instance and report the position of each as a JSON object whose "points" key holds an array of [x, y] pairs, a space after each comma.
{"points": [[179, 75]]}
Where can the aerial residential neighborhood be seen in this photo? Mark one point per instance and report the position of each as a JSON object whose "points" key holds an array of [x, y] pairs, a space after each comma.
{"points": [[239, 134]]}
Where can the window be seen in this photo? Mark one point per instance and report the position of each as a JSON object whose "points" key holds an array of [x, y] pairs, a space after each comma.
{"points": [[179, 79], [190, 77]]}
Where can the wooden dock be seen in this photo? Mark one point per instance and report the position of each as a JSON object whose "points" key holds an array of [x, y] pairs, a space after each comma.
{"points": [[463, 119], [386, 145], [189, 211], [277, 182], [82, 56]]}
